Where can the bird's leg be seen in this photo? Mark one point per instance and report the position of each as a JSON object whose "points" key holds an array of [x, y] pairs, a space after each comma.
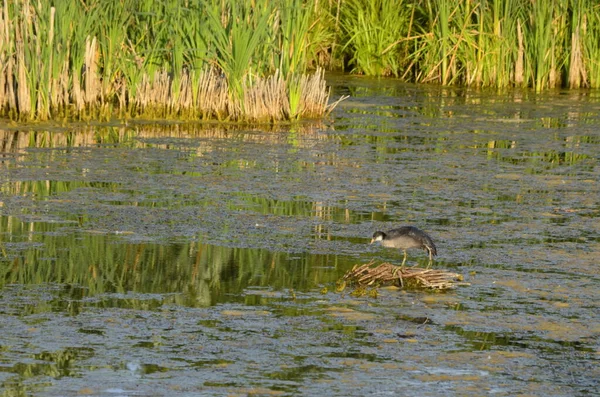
{"points": [[430, 258], [401, 266]]}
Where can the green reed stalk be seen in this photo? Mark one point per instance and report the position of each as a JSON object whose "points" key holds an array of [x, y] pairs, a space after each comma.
{"points": [[322, 36], [295, 98], [236, 40], [468, 30], [112, 39], [294, 25], [497, 44], [193, 31], [28, 34], [575, 66], [7, 45], [192, 26], [148, 38], [560, 43], [539, 42], [442, 30], [505, 50], [591, 43], [373, 32], [294, 42], [434, 51], [58, 47], [440, 36]]}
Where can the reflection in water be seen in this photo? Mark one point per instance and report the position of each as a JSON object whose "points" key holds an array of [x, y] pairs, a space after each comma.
{"points": [[52, 364], [147, 258], [102, 270]]}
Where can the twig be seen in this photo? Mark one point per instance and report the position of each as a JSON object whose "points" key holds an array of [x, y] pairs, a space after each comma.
{"points": [[388, 274]]}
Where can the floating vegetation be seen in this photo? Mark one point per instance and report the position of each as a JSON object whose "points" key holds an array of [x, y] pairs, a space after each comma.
{"points": [[408, 277]]}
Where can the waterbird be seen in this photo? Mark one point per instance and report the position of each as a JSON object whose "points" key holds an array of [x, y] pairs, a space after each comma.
{"points": [[404, 238]]}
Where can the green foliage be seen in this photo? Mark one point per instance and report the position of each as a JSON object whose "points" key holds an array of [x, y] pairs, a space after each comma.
{"points": [[152, 58], [375, 32], [295, 19], [590, 31], [171, 58], [236, 38], [541, 42], [503, 43], [497, 45]]}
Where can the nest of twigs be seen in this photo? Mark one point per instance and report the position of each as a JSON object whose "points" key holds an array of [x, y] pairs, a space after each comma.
{"points": [[388, 274]]}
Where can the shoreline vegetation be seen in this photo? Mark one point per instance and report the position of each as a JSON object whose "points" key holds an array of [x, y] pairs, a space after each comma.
{"points": [[264, 61]]}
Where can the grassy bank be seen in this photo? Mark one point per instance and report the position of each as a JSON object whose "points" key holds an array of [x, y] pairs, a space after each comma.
{"points": [[213, 59], [498, 43], [260, 60]]}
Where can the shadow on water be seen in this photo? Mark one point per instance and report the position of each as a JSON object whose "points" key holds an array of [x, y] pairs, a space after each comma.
{"points": [[155, 258]]}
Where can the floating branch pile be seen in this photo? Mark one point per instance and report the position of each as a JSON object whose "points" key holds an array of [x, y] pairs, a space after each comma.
{"points": [[388, 274]]}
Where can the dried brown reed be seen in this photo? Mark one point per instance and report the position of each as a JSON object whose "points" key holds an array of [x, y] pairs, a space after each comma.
{"points": [[389, 274], [206, 95]]}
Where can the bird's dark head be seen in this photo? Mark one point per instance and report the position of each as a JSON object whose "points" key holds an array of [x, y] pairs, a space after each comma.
{"points": [[377, 236]]}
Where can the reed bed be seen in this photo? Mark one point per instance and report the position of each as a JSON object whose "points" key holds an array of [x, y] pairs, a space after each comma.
{"points": [[497, 43], [197, 59], [261, 60]]}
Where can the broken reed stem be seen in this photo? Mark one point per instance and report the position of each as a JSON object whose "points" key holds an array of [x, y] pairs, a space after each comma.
{"points": [[388, 274]]}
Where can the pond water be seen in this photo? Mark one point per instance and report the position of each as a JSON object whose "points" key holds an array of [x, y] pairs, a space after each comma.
{"points": [[150, 259]]}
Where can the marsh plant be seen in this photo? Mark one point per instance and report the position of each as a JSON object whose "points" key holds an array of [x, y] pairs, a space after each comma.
{"points": [[537, 43], [499, 43], [202, 59], [375, 33], [261, 60]]}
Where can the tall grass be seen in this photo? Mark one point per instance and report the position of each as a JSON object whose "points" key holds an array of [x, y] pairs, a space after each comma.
{"points": [[590, 34], [546, 34], [438, 45], [236, 32], [540, 44], [536, 43], [190, 59], [375, 33], [205, 59], [496, 59], [294, 20]]}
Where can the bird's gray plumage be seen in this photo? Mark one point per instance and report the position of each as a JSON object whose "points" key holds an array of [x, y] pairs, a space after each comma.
{"points": [[406, 237]]}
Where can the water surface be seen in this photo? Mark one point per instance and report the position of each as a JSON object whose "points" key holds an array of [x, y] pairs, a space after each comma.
{"points": [[159, 259]]}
